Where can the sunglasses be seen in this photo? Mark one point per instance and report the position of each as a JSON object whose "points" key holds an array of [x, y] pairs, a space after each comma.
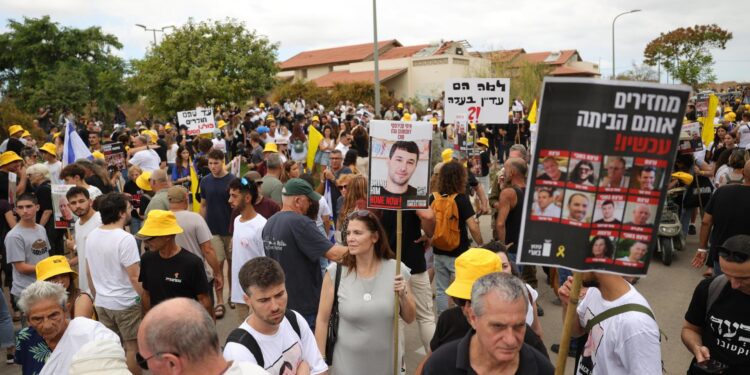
{"points": [[143, 362], [342, 187], [733, 256], [358, 213]]}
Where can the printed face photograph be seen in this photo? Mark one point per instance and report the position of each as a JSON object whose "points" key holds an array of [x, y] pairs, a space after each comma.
{"points": [[552, 168], [631, 251], [584, 172], [601, 247], [614, 172], [640, 214], [547, 202], [579, 206], [645, 178], [609, 211]]}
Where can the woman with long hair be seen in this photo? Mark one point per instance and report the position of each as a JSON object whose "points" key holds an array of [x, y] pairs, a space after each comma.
{"points": [[181, 170], [353, 189], [326, 145], [731, 173], [291, 170], [350, 160], [601, 247], [298, 143], [362, 144], [365, 300], [583, 173], [717, 146]]}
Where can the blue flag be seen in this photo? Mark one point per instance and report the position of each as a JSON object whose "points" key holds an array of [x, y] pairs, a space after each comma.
{"points": [[74, 148]]}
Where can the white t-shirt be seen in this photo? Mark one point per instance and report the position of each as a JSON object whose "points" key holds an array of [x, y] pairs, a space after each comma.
{"points": [[172, 154], [343, 148], [111, 252], [285, 346], [245, 368], [81, 234], [219, 144], [147, 160], [530, 311], [627, 343], [743, 131], [79, 332], [247, 243], [282, 139], [93, 192], [324, 210], [54, 172]]}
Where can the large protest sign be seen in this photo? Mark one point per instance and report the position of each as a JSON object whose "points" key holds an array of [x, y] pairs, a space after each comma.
{"points": [[599, 174], [114, 155], [198, 121], [481, 100], [62, 213], [690, 138], [399, 164]]}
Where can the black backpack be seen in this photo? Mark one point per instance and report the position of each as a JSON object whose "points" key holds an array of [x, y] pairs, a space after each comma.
{"points": [[244, 338]]}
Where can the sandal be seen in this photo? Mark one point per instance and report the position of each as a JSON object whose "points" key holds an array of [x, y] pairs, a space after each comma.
{"points": [[232, 305], [219, 311]]}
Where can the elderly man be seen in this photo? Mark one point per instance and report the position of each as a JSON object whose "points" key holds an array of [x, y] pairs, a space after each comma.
{"points": [[496, 343], [641, 215], [159, 185], [195, 350], [615, 173], [48, 345], [147, 159], [636, 253]]}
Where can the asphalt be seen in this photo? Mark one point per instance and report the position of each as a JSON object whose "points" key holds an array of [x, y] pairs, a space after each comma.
{"points": [[668, 290]]}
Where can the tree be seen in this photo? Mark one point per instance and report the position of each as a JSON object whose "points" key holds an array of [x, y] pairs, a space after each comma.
{"points": [[526, 78], [43, 63], [300, 89], [684, 53], [639, 73], [205, 63]]}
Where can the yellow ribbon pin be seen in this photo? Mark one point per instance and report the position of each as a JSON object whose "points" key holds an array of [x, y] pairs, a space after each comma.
{"points": [[560, 251]]}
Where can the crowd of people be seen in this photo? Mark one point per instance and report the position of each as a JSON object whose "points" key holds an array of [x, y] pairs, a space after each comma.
{"points": [[158, 232]]}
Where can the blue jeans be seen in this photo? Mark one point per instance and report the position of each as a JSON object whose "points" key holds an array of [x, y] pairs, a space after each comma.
{"points": [[7, 338], [135, 225], [310, 319], [445, 270], [562, 275]]}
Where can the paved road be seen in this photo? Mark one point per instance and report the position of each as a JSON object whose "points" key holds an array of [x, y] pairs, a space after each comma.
{"points": [[668, 290]]}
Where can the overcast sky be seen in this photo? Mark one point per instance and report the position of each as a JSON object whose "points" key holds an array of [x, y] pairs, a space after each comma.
{"points": [[534, 25]]}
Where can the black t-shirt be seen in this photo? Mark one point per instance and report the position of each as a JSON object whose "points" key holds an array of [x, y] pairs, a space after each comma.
{"points": [[484, 159], [162, 150], [729, 207], [465, 211], [722, 331], [15, 145], [513, 221], [96, 181], [182, 275], [84, 134], [412, 254], [43, 195], [453, 358]]}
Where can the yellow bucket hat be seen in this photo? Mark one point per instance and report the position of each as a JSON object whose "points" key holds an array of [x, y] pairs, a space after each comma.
{"points": [[143, 181], [159, 223], [434, 121], [446, 155], [407, 117], [484, 141], [97, 155], [53, 266], [261, 105], [400, 105], [471, 265], [8, 157], [13, 129], [316, 118], [153, 135], [221, 124], [49, 148], [271, 147], [270, 118], [25, 134]]}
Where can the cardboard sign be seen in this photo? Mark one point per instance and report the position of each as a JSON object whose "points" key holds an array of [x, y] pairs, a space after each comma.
{"points": [[599, 174], [114, 155], [690, 138], [198, 121], [62, 213], [399, 165], [481, 100]]}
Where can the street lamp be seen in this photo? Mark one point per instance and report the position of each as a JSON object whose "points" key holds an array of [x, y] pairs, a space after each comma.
{"points": [[375, 57], [154, 30], [613, 38]]}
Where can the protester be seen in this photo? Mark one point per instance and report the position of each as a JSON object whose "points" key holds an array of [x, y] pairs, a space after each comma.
{"points": [[56, 269], [273, 336], [74, 174], [159, 185], [144, 156], [272, 185], [195, 351], [264, 206], [365, 299]]}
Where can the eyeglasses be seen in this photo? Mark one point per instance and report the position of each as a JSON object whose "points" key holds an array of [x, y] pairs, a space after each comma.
{"points": [[143, 362], [733, 256]]}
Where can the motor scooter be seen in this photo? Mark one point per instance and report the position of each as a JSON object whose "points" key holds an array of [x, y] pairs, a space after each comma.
{"points": [[670, 233]]}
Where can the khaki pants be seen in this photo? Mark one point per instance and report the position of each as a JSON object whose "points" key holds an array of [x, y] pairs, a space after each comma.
{"points": [[420, 286], [123, 322], [223, 247]]}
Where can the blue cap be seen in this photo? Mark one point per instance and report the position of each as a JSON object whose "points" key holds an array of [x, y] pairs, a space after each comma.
{"points": [[262, 129]]}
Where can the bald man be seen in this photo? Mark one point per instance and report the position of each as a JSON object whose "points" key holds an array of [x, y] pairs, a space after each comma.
{"points": [[160, 183], [195, 350], [641, 215], [636, 253]]}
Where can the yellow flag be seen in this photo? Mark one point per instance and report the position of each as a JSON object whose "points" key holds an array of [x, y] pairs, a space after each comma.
{"points": [[708, 122], [532, 113], [313, 137], [194, 187]]}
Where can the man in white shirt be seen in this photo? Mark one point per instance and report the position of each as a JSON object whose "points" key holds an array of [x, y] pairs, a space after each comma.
{"points": [[345, 141], [247, 241], [88, 220], [49, 154], [148, 160], [113, 265], [281, 343], [545, 203], [625, 343]]}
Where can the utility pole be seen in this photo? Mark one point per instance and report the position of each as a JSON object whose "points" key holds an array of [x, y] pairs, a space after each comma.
{"points": [[613, 38], [154, 30], [375, 56]]}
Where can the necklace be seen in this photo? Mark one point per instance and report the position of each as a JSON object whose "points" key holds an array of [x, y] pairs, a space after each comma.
{"points": [[367, 296]]}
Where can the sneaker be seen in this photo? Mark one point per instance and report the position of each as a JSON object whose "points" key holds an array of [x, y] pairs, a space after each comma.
{"points": [[9, 359], [539, 310], [556, 349], [691, 229]]}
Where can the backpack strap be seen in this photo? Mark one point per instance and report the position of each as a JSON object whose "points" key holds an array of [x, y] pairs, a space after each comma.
{"points": [[714, 290], [292, 318], [617, 311], [335, 307], [244, 338]]}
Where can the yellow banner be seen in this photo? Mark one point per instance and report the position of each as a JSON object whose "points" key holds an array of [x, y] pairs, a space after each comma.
{"points": [[707, 135], [314, 137], [532, 113], [194, 187]]}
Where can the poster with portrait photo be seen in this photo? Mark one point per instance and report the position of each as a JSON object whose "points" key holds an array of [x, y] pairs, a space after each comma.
{"points": [[632, 250], [602, 244], [608, 211], [640, 214], [114, 155], [615, 174], [583, 171], [62, 213], [552, 167], [399, 165], [547, 204], [646, 176], [578, 208]]}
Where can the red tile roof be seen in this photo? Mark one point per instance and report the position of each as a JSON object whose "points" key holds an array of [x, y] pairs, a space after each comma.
{"points": [[504, 55], [332, 78], [539, 57], [399, 52], [337, 55], [568, 71]]}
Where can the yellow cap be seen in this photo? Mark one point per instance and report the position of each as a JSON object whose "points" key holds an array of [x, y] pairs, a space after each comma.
{"points": [[731, 116], [407, 117], [56, 135], [53, 266], [400, 105], [221, 124], [8, 157], [159, 223], [270, 118], [25, 134], [167, 127], [434, 121], [470, 266], [271, 147], [447, 155], [484, 141], [143, 181], [152, 134], [97, 155], [49, 148], [685, 178], [261, 105], [13, 129], [316, 118]]}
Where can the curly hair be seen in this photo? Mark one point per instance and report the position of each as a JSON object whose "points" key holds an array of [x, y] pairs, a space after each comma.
{"points": [[452, 178]]}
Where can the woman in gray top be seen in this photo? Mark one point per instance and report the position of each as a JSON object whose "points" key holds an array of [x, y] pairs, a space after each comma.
{"points": [[366, 295]]}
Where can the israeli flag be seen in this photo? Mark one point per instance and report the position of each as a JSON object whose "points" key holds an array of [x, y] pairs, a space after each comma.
{"points": [[74, 148]]}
